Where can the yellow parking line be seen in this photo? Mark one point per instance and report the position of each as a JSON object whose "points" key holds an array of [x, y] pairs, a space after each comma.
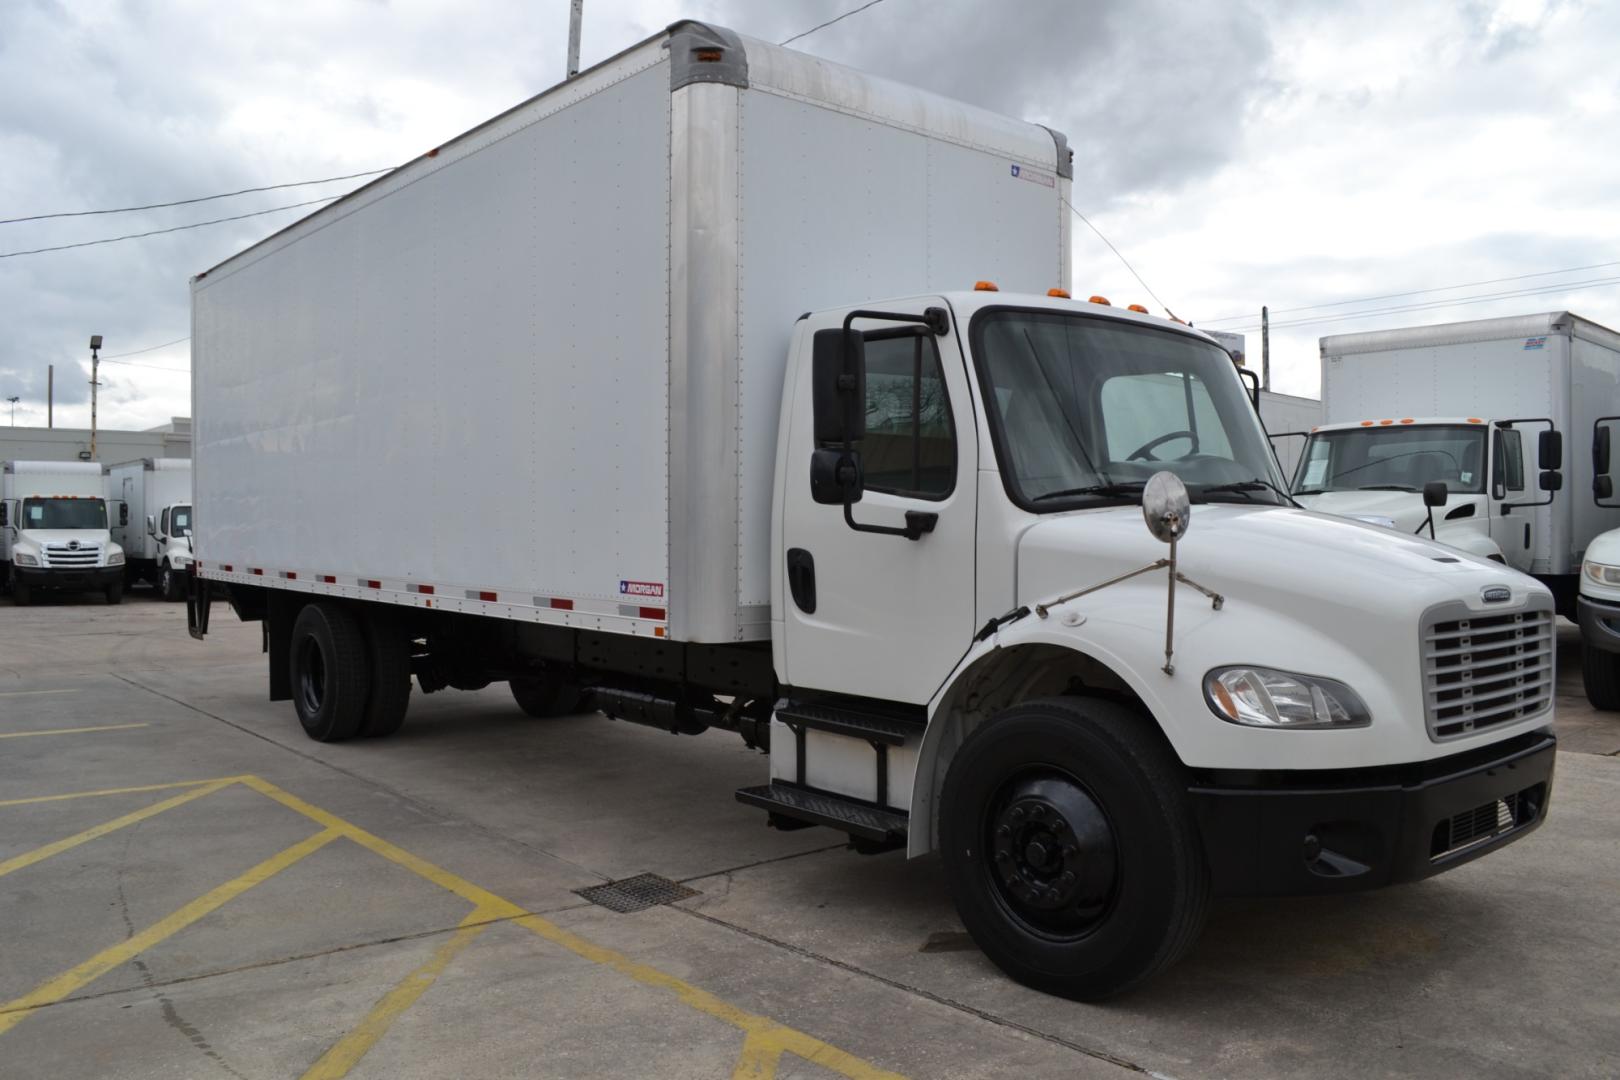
{"points": [[68, 730], [770, 1038], [40, 853], [26, 693], [118, 791], [758, 1060], [342, 1057], [15, 1011]]}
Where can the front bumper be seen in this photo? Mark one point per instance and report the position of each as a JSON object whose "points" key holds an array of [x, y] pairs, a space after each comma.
{"points": [[1600, 624], [48, 577], [1296, 833]]}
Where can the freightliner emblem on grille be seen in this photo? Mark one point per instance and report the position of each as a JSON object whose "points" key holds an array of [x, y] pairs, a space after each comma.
{"points": [[1496, 594]]}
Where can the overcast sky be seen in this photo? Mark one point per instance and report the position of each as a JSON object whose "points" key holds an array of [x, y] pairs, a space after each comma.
{"points": [[1238, 154]]}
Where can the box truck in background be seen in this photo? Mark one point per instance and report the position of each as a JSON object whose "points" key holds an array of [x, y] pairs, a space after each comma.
{"points": [[1288, 417], [1490, 417], [150, 503], [53, 531], [701, 398]]}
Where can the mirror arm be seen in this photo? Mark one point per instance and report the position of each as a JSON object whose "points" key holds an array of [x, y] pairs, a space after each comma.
{"points": [[917, 523], [936, 319]]}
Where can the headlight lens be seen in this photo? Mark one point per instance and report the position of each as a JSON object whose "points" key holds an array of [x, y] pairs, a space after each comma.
{"points": [[24, 560], [1262, 697], [1602, 573], [115, 558]]}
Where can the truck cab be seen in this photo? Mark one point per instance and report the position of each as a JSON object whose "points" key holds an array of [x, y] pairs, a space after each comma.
{"points": [[54, 531], [170, 530], [1467, 482]]}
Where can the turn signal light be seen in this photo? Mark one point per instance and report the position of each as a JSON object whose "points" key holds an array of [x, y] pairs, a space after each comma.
{"points": [[1061, 294], [985, 286], [1137, 308], [1103, 300]]}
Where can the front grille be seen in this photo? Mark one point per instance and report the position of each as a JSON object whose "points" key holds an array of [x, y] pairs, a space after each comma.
{"points": [[1483, 670], [62, 555], [1485, 822]]}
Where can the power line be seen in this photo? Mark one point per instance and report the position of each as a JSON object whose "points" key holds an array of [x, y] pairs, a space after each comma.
{"points": [[1413, 292], [149, 367], [1120, 257], [829, 22], [149, 348], [1437, 305], [198, 199], [157, 232]]}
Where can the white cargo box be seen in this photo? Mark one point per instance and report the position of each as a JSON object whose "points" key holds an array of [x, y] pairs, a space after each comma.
{"points": [[536, 372], [144, 487]]}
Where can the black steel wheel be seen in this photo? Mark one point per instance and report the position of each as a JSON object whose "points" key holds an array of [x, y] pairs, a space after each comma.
{"points": [[330, 672], [1069, 847]]}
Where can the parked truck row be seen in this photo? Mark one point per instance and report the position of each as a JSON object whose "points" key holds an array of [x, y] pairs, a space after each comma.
{"points": [[727, 388]]}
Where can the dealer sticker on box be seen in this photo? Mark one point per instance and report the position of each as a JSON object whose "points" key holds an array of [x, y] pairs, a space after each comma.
{"points": [[1034, 176], [653, 589]]}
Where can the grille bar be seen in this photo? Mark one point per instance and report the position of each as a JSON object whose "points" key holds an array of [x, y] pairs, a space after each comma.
{"points": [[1483, 670]]}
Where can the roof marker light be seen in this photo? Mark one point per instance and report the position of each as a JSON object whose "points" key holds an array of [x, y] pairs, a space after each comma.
{"points": [[1061, 294], [1408, 420], [1103, 300], [985, 286], [1471, 420], [1366, 423], [1137, 308], [1385, 423]]}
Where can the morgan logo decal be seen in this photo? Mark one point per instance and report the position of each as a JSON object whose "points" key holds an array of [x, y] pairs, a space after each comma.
{"points": [[1534, 343], [1496, 594], [641, 588]]}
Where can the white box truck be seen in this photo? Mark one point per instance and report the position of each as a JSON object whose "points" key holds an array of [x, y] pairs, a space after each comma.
{"points": [[687, 386], [150, 501], [53, 531], [1289, 419]]}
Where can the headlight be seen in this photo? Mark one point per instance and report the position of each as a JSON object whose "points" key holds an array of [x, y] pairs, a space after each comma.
{"points": [[1261, 697], [1602, 573], [115, 558], [24, 560]]}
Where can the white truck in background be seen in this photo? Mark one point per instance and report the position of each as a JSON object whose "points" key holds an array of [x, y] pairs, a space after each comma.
{"points": [[742, 445], [1288, 418], [151, 504], [1461, 428], [53, 531]]}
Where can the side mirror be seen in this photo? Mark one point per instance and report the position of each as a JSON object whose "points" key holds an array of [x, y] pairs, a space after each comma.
{"points": [[1602, 487], [5, 515], [151, 525], [838, 378], [1435, 493], [1600, 450], [123, 513], [1553, 480], [836, 477], [1550, 452]]}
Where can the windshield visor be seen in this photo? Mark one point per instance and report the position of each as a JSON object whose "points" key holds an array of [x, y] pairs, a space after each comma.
{"points": [[1085, 409], [64, 514], [1394, 459]]}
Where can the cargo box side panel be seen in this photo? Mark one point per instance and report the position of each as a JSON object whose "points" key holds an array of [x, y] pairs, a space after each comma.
{"points": [[838, 208], [1594, 392], [460, 381]]}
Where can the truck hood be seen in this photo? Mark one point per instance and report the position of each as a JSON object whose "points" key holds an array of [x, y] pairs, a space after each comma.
{"points": [[87, 537], [1264, 554], [1404, 508]]}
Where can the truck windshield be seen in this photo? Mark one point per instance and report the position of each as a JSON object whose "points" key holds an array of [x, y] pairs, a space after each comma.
{"points": [[180, 521], [1085, 409], [64, 513], [1393, 459]]}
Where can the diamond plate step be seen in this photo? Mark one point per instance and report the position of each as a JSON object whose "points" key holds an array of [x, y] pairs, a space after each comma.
{"points": [[819, 808], [867, 726]]}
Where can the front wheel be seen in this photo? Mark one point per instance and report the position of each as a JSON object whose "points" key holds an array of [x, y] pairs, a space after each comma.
{"points": [[169, 584], [1600, 672], [1070, 850], [21, 594], [114, 593]]}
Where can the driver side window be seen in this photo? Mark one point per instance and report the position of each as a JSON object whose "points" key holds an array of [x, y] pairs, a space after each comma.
{"points": [[1143, 408]]}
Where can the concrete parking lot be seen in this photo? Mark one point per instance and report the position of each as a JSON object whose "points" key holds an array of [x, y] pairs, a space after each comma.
{"points": [[189, 887]]}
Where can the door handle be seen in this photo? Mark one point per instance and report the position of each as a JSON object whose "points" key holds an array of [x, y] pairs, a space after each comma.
{"points": [[801, 571]]}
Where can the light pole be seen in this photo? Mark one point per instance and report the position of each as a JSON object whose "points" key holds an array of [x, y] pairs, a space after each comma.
{"points": [[95, 364], [13, 410]]}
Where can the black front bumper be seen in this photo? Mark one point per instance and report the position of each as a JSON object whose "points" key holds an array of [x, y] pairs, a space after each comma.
{"points": [[1600, 624], [1293, 833], [88, 578]]}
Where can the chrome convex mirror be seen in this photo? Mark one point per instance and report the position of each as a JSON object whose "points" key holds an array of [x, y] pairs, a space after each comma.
{"points": [[1167, 509]]}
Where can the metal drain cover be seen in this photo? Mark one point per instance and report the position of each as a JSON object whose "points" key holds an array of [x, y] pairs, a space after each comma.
{"points": [[636, 893]]}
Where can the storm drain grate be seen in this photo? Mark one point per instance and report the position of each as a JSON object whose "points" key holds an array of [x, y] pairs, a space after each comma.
{"points": [[636, 893]]}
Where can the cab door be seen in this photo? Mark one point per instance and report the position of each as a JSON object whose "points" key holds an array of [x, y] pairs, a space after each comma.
{"points": [[877, 614], [1513, 531]]}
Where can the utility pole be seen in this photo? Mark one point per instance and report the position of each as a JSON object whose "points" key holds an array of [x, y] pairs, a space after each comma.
{"points": [[13, 401], [576, 13], [50, 395], [95, 366], [1265, 348]]}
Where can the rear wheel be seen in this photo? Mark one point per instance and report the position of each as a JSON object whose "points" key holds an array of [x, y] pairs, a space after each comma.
{"points": [[544, 697], [1069, 848], [114, 593], [388, 648], [1600, 671], [329, 671]]}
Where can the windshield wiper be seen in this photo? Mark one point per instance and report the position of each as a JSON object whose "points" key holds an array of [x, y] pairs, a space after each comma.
{"points": [[1129, 487], [1246, 487], [1386, 487]]}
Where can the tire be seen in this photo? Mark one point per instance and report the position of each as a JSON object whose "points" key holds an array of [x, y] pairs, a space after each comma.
{"points": [[389, 651], [114, 593], [1069, 847], [544, 698], [168, 584], [1600, 671], [21, 594], [329, 672]]}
